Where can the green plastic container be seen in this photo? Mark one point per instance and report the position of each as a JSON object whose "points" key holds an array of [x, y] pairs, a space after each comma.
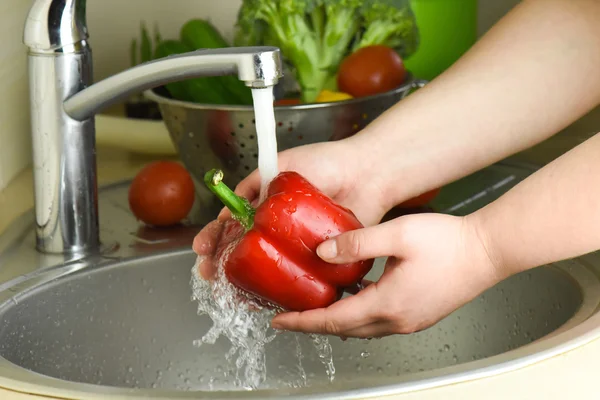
{"points": [[448, 28]]}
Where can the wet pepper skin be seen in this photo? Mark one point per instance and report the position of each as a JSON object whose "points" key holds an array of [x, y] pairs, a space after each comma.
{"points": [[276, 259]]}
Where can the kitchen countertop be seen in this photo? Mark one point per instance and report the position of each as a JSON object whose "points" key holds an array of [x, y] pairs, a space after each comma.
{"points": [[573, 374]]}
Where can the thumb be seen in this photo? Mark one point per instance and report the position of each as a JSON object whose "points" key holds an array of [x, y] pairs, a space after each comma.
{"points": [[361, 244]]}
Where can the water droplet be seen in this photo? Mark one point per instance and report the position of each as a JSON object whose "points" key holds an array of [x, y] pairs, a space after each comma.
{"points": [[364, 354]]}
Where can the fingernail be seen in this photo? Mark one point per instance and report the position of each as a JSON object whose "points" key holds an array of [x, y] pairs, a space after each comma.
{"points": [[327, 250]]}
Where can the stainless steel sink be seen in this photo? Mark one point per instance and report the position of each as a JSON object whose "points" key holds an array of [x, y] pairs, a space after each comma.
{"points": [[124, 323]]}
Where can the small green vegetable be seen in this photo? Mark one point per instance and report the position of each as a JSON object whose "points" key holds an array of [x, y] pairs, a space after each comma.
{"points": [[146, 44], [144, 52], [201, 34], [200, 90], [133, 52], [157, 35]]}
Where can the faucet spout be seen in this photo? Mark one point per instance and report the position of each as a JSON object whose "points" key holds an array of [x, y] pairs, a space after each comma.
{"points": [[63, 101], [256, 66]]}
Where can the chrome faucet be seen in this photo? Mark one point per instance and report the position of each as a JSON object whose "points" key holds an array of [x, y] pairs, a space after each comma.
{"points": [[63, 103]]}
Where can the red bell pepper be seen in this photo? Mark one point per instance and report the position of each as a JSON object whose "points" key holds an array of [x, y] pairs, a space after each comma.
{"points": [[274, 256]]}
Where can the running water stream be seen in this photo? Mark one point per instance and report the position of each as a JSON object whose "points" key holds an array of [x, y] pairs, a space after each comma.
{"points": [[242, 320], [266, 136]]}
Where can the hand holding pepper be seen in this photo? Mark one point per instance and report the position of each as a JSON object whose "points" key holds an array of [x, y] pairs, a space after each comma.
{"points": [[436, 263], [273, 256], [331, 167]]}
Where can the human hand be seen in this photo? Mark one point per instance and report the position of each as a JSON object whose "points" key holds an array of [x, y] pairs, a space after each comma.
{"points": [[331, 166], [436, 264]]}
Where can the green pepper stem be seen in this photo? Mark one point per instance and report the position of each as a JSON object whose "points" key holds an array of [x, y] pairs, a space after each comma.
{"points": [[240, 208]]}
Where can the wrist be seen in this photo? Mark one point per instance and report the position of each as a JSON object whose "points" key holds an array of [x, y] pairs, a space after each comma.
{"points": [[484, 246], [394, 170]]}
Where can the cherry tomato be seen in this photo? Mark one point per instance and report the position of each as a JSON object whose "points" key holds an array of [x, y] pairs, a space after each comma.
{"points": [[420, 200], [162, 193], [371, 70]]}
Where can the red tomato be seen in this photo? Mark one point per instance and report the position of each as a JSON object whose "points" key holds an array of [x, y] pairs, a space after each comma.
{"points": [[287, 102], [162, 193], [371, 70], [420, 200]]}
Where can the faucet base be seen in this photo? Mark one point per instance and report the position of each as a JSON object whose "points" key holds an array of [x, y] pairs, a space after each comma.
{"points": [[64, 162]]}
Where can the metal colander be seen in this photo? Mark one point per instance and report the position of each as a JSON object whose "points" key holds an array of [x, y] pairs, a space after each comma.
{"points": [[209, 136]]}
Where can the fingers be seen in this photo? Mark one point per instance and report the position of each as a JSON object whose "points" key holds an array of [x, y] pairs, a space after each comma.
{"points": [[358, 287], [224, 215], [376, 329], [338, 319], [207, 239], [206, 267], [360, 244], [248, 188], [204, 245]]}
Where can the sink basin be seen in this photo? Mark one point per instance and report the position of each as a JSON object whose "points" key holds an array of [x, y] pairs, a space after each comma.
{"points": [[124, 323], [132, 324]]}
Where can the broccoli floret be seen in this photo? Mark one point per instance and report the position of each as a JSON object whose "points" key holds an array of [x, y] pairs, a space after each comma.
{"points": [[249, 31], [313, 35], [390, 23]]}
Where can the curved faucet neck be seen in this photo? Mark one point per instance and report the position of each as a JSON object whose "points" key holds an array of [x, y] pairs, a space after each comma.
{"points": [[55, 26], [63, 102]]}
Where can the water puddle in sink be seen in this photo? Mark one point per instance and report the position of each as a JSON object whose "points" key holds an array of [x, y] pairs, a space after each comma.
{"points": [[246, 324]]}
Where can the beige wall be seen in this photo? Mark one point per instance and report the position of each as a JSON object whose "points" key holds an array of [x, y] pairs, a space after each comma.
{"points": [[110, 22], [14, 118]]}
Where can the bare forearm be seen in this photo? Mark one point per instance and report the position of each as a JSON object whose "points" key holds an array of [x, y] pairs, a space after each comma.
{"points": [[532, 75], [553, 215]]}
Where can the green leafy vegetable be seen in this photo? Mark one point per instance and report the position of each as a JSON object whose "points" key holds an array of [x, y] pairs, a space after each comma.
{"points": [[144, 52], [390, 23], [146, 45], [133, 52]]}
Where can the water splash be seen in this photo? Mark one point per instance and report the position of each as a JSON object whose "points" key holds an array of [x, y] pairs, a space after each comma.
{"points": [[246, 323], [248, 331]]}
